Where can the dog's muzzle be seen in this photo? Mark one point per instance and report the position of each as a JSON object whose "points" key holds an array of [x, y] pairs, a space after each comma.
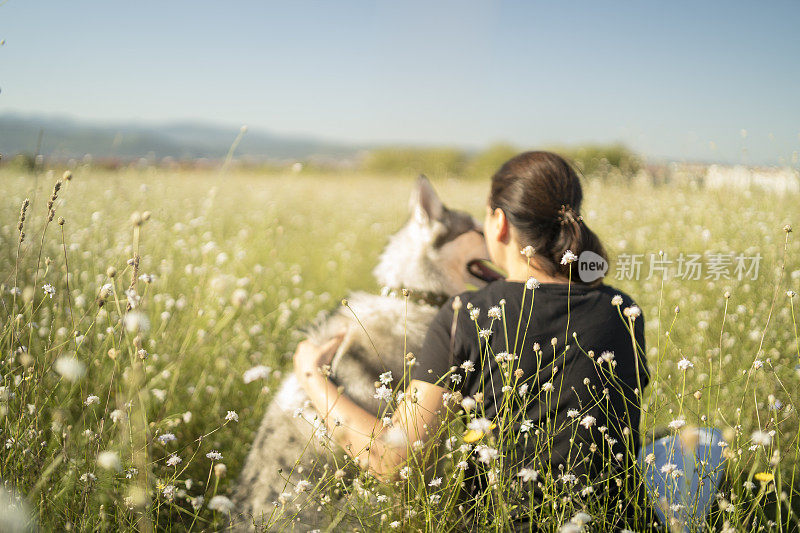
{"points": [[485, 270]]}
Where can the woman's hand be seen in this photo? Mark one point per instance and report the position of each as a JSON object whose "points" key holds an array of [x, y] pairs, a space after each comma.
{"points": [[309, 357]]}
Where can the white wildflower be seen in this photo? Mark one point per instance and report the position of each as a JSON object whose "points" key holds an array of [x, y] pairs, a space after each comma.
{"points": [[173, 460], [568, 257], [168, 492], [616, 300], [588, 421], [568, 478], [221, 504], [761, 438], [106, 290], [494, 312], [632, 312], [669, 468], [109, 460], [49, 290], [70, 368], [677, 424], [486, 454], [684, 363], [383, 393], [239, 297], [581, 518], [135, 322], [468, 404], [166, 437], [214, 455], [91, 399], [257, 372], [386, 377], [528, 474], [231, 415], [435, 482], [606, 357], [480, 424], [532, 284]]}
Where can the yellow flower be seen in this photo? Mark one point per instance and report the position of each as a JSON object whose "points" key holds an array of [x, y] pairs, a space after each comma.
{"points": [[472, 435], [764, 477]]}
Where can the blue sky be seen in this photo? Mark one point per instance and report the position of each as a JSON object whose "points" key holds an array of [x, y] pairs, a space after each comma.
{"points": [[668, 79]]}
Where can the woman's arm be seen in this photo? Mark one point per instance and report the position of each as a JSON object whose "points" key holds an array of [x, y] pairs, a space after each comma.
{"points": [[380, 448]]}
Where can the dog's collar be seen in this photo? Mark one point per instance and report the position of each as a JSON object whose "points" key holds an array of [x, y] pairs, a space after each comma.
{"points": [[435, 299]]}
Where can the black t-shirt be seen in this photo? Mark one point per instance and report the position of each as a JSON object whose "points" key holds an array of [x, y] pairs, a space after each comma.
{"points": [[570, 398]]}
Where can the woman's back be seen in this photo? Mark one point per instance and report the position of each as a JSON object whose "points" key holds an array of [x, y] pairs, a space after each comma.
{"points": [[568, 403]]}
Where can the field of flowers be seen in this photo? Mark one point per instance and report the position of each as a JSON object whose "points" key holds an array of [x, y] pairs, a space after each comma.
{"points": [[147, 316]]}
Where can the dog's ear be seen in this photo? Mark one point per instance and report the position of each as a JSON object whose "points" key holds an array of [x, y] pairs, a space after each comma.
{"points": [[425, 205]]}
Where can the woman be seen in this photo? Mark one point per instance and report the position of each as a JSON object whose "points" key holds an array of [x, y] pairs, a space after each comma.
{"points": [[549, 365]]}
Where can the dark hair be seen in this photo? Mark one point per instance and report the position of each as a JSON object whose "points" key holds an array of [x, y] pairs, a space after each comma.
{"points": [[540, 194]]}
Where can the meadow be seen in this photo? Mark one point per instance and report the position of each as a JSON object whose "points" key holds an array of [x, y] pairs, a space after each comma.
{"points": [[148, 319]]}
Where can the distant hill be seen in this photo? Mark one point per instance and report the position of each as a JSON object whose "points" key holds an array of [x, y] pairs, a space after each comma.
{"points": [[66, 137]]}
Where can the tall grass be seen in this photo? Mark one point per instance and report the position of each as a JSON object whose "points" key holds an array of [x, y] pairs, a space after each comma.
{"points": [[174, 302]]}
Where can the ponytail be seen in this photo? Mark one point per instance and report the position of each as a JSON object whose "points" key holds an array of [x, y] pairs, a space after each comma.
{"points": [[541, 195]]}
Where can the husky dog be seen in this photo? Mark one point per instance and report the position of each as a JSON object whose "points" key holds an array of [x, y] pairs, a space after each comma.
{"points": [[438, 253]]}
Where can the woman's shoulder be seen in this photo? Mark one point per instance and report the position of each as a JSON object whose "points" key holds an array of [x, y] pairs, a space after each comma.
{"points": [[488, 295], [483, 298], [492, 293]]}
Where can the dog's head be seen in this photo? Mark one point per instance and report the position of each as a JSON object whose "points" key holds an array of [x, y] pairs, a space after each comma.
{"points": [[438, 250]]}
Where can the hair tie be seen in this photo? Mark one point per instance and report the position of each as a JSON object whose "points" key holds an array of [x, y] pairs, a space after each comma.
{"points": [[567, 215]]}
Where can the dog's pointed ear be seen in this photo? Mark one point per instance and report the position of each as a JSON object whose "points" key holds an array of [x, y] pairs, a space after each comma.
{"points": [[424, 203]]}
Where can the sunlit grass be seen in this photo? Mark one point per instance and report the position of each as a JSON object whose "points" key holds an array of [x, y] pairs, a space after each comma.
{"points": [[222, 272]]}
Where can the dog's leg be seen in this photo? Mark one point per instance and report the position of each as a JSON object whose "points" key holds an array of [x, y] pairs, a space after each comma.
{"points": [[284, 452]]}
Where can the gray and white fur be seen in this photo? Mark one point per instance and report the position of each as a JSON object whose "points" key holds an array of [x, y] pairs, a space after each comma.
{"points": [[429, 254]]}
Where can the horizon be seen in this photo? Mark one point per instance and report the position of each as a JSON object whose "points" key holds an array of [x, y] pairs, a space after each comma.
{"points": [[235, 129], [708, 84]]}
